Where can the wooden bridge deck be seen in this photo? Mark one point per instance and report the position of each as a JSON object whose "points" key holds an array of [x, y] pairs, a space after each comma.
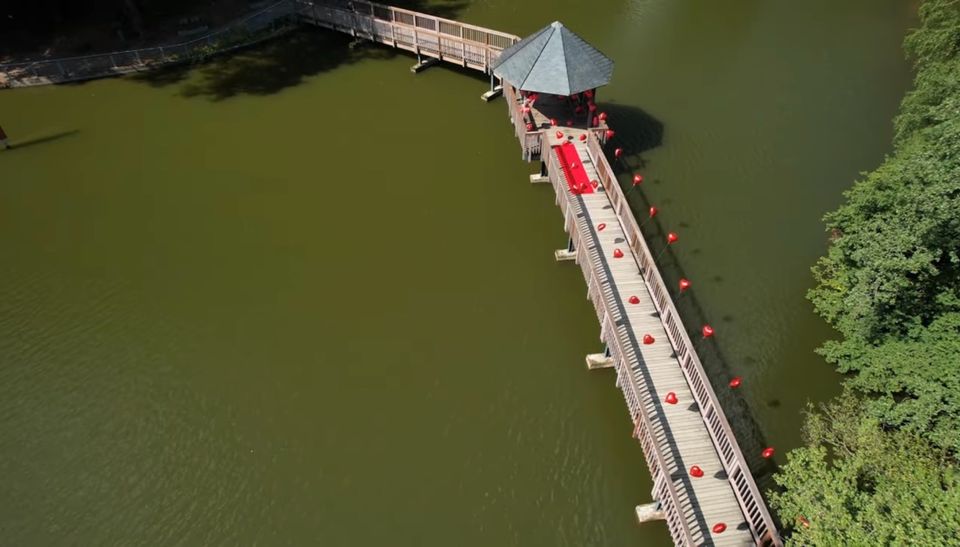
{"points": [[673, 437], [655, 369]]}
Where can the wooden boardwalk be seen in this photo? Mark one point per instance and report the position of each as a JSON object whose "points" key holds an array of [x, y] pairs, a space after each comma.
{"points": [[626, 289]]}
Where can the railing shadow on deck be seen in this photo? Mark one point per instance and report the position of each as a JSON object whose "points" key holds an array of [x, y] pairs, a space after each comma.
{"points": [[636, 132], [268, 68]]}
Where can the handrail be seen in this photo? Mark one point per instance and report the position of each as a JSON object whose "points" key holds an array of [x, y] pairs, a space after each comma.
{"points": [[721, 434], [667, 493], [445, 39]]}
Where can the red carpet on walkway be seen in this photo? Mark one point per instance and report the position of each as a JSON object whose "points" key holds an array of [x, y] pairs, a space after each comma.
{"points": [[573, 171]]}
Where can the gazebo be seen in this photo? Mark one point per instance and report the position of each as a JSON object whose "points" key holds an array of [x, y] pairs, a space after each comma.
{"points": [[556, 74]]}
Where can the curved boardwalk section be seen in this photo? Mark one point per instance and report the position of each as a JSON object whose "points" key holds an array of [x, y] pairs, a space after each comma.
{"points": [[722, 506]]}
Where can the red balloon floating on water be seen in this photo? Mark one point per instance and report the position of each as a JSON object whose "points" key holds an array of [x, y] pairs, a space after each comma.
{"points": [[647, 339], [617, 253], [610, 133], [637, 179], [684, 284], [695, 471], [767, 452], [617, 152], [672, 237], [634, 300], [671, 398], [653, 211], [707, 331], [735, 382], [601, 226], [719, 527]]}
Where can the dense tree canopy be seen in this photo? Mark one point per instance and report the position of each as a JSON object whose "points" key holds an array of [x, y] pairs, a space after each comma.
{"points": [[890, 283], [880, 465], [856, 484]]}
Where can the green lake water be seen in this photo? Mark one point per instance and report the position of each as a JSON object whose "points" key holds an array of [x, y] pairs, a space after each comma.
{"points": [[303, 297]]}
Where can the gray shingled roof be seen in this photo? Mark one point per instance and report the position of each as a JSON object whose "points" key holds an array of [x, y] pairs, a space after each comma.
{"points": [[554, 60]]}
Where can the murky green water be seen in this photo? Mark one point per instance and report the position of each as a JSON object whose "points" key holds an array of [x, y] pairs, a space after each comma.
{"points": [[305, 297]]}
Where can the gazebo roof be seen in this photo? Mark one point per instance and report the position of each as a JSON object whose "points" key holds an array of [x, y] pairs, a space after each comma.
{"points": [[554, 60]]}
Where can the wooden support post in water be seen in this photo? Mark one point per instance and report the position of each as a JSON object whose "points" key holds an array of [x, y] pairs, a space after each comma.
{"points": [[649, 512], [540, 177], [564, 255], [495, 89], [599, 360], [422, 65]]}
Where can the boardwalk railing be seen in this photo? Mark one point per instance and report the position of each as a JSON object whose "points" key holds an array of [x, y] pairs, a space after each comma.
{"points": [[531, 142], [661, 466], [445, 39], [261, 25]]}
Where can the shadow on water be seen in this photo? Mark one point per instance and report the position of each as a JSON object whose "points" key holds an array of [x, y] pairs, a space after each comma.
{"points": [[636, 132], [42, 139], [267, 68], [287, 61]]}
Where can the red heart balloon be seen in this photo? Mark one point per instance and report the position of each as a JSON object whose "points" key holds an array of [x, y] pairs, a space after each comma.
{"points": [[617, 253], [719, 527], [672, 237], [735, 382], [647, 339], [695, 471], [767, 452], [634, 300], [684, 284], [707, 331], [671, 398], [601, 226]]}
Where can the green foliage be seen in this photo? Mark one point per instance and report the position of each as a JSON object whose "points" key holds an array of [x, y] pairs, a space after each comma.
{"points": [[856, 484], [880, 464], [890, 282], [911, 383]]}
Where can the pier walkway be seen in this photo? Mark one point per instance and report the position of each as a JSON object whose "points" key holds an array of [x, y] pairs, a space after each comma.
{"points": [[646, 343], [702, 485]]}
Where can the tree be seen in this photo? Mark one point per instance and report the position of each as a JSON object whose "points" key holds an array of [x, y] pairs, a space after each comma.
{"points": [[911, 383], [856, 484]]}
